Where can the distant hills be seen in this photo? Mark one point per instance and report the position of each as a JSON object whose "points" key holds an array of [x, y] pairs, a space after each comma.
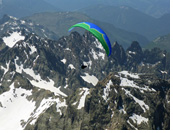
{"points": [[162, 42], [130, 19], [60, 22], [21, 8], [123, 21], [155, 8]]}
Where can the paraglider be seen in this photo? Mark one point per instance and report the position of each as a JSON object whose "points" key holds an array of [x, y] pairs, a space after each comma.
{"points": [[98, 33], [83, 66]]}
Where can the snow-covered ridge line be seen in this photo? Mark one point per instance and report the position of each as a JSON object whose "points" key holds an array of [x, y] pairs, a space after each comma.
{"points": [[126, 82]]}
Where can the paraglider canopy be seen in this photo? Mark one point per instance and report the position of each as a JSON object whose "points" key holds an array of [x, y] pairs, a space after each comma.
{"points": [[98, 33]]}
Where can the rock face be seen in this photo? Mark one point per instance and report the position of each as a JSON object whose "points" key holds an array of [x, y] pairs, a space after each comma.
{"points": [[120, 101], [42, 85]]}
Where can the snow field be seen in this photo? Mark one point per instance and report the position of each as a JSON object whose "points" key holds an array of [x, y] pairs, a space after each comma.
{"points": [[84, 93], [15, 108], [90, 79], [14, 37], [44, 105], [107, 90], [138, 119]]}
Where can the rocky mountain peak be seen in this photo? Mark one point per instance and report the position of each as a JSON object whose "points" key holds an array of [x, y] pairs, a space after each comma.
{"points": [[134, 54], [135, 47], [10, 24], [119, 53]]}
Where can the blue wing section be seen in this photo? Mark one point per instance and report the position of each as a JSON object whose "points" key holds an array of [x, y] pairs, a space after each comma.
{"points": [[104, 35]]}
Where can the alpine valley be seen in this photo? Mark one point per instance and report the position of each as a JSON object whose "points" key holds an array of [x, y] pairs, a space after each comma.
{"points": [[42, 85]]}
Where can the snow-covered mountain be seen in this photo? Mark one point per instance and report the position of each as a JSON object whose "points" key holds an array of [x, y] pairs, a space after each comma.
{"points": [[9, 23], [42, 85]]}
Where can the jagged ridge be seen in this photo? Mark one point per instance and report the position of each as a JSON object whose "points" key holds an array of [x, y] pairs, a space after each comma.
{"points": [[46, 76]]}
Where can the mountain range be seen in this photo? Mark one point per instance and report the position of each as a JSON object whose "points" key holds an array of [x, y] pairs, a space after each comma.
{"points": [[155, 8], [162, 42], [123, 21], [9, 23], [130, 19], [60, 22], [42, 85], [21, 8]]}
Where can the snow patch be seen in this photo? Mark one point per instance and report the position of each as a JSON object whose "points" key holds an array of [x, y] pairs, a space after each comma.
{"points": [[15, 108], [71, 66], [121, 109], [107, 90], [132, 75], [131, 125], [98, 44], [89, 64], [90, 79], [22, 21], [130, 83], [64, 61], [13, 17], [14, 37], [130, 52], [138, 119], [5, 69], [68, 49], [44, 105], [102, 55], [164, 72], [127, 82], [85, 92], [35, 59], [47, 85], [31, 24], [75, 103], [33, 49], [96, 56]]}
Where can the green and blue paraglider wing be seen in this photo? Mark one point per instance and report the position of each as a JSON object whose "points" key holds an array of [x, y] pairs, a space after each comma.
{"points": [[98, 33]]}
